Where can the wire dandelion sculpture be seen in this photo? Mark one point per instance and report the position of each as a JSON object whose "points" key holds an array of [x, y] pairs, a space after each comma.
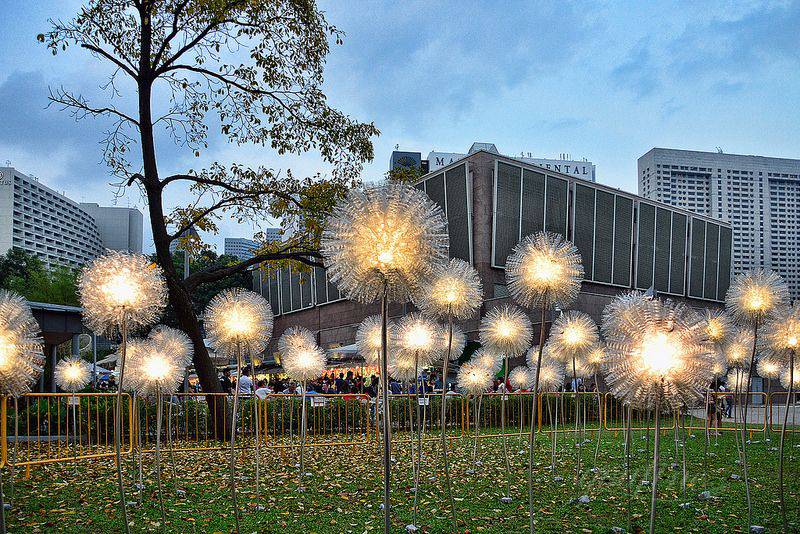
{"points": [[418, 340], [658, 359], [21, 357], [543, 270], [780, 342], [520, 378], [573, 335], [753, 298], [507, 331], [237, 321], [302, 360], [474, 379], [121, 293], [72, 374], [380, 244], [157, 367]]}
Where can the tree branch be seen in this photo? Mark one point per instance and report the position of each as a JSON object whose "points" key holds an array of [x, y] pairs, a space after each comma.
{"points": [[218, 205], [217, 273], [132, 73], [228, 187]]}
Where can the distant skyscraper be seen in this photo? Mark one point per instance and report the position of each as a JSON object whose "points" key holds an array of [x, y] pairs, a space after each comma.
{"points": [[759, 196], [42, 222], [120, 228], [273, 234], [240, 247]]}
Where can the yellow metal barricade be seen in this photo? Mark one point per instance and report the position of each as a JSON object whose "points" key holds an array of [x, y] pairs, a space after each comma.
{"points": [[42, 428], [615, 413], [402, 413], [777, 407]]}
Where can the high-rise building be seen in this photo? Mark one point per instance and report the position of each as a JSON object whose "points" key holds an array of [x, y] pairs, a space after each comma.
{"points": [[759, 196], [240, 247], [273, 234], [120, 228], [42, 222]]}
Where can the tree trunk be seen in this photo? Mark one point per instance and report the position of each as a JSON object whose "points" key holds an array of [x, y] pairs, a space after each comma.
{"points": [[178, 296]]}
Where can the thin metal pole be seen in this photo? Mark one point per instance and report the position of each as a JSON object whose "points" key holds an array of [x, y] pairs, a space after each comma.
{"points": [[416, 463], [75, 433], [232, 464], [158, 458], [118, 421], [554, 434], [656, 454], [578, 439], [745, 409], [476, 404], [2, 505], [387, 444], [303, 424], [783, 437], [258, 433], [169, 441], [534, 410], [503, 400], [443, 421], [599, 418], [628, 462]]}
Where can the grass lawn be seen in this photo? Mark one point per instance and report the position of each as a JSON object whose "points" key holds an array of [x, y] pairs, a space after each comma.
{"points": [[345, 494]]}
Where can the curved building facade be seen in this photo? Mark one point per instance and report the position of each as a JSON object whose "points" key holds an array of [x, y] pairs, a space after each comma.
{"points": [[45, 223]]}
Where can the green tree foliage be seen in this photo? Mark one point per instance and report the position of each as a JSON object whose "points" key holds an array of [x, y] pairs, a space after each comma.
{"points": [[25, 274]]}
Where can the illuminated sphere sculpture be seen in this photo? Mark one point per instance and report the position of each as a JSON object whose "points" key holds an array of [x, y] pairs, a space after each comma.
{"points": [[301, 358], [756, 295], [368, 339], [662, 351], [238, 318], [121, 287], [596, 358], [551, 376], [718, 327], [458, 343], [718, 364], [781, 336], [736, 380], [739, 349], [21, 358], [573, 335], [795, 378], [419, 338], [158, 364], [544, 269], [768, 368], [506, 330], [454, 290], [621, 312], [390, 235], [72, 374], [473, 378], [402, 368], [489, 360], [521, 377]]}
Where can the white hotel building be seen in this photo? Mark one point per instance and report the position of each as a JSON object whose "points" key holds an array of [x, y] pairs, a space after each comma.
{"points": [[759, 196], [58, 230]]}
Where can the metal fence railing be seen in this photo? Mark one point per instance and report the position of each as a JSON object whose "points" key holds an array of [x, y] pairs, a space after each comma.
{"points": [[40, 428]]}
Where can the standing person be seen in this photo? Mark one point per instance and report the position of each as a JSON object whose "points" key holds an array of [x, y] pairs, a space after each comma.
{"points": [[227, 383], [262, 391], [340, 384], [245, 383], [726, 401]]}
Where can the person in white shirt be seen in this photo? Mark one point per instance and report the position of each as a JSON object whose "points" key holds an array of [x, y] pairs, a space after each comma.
{"points": [[245, 383], [263, 390]]}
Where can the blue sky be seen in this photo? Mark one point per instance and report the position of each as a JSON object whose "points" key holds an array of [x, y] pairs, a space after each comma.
{"points": [[601, 80]]}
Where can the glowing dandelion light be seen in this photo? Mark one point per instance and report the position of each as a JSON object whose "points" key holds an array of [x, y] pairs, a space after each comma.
{"points": [[72, 374], [454, 290], [506, 330], [658, 359], [474, 379], [543, 270], [521, 377], [368, 339], [551, 374], [21, 357], [302, 359], [756, 295], [157, 367], [238, 320], [119, 293], [380, 243], [489, 360]]}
